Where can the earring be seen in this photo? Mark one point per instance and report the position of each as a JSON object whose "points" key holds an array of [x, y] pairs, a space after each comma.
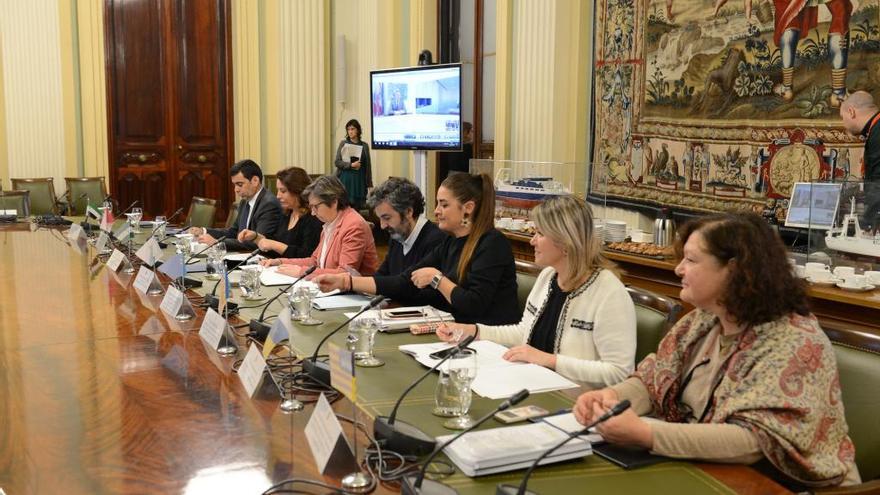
{"points": [[465, 221]]}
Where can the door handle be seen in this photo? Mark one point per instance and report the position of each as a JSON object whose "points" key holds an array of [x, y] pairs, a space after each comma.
{"points": [[142, 158], [202, 158]]}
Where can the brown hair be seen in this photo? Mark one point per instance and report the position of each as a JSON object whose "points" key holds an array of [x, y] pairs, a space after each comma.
{"points": [[479, 189], [296, 180], [761, 287]]}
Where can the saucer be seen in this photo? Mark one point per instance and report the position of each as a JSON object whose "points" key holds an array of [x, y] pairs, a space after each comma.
{"points": [[864, 288], [825, 283]]}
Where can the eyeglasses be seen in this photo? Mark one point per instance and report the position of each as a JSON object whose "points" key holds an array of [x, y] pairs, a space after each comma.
{"points": [[314, 206]]}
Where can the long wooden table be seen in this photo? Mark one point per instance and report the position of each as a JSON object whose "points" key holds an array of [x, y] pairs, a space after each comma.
{"points": [[102, 393]]}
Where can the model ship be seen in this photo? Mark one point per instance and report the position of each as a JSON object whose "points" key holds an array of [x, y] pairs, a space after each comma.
{"points": [[848, 238], [527, 192]]}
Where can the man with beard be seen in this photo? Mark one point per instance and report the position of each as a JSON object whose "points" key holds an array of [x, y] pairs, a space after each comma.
{"points": [[399, 205]]}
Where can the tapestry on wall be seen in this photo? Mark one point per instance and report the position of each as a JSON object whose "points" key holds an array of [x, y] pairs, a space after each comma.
{"points": [[722, 105]]}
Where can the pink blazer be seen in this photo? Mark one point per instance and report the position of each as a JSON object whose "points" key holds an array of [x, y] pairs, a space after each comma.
{"points": [[351, 245]]}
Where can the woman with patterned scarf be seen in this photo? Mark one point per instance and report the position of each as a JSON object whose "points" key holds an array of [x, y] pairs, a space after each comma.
{"points": [[747, 376]]}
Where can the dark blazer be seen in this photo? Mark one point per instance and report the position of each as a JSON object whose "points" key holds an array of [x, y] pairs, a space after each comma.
{"points": [[267, 214]]}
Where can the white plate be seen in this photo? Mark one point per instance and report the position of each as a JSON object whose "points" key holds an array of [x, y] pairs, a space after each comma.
{"points": [[825, 283], [864, 288]]}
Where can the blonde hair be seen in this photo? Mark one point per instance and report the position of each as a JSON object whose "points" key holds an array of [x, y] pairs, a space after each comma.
{"points": [[568, 221]]}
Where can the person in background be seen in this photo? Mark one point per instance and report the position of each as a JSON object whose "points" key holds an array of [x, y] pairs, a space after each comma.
{"points": [[471, 274], [346, 242], [399, 205], [579, 318], [298, 233], [860, 115], [355, 174], [258, 210], [747, 376]]}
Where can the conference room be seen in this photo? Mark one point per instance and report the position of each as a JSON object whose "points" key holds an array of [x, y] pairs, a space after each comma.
{"points": [[439, 246]]}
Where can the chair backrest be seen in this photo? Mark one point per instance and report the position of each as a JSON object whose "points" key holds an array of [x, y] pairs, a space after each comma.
{"points": [[270, 184], [655, 315], [42, 194], [201, 212], [16, 200], [858, 364], [526, 275], [233, 215], [80, 190]]}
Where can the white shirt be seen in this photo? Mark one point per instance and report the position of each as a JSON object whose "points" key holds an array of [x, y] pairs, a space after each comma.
{"points": [[251, 203], [411, 240], [327, 235]]}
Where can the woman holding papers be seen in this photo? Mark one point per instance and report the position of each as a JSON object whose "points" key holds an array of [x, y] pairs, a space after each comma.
{"points": [[353, 164], [470, 274], [346, 242], [747, 376], [299, 232], [579, 319]]}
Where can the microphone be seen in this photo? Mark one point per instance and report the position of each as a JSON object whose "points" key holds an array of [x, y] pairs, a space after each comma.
{"points": [[213, 301], [169, 236], [209, 246], [320, 372], [132, 205], [167, 220], [412, 484], [403, 437], [504, 489], [260, 330]]}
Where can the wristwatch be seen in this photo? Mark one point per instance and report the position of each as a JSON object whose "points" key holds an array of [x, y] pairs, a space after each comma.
{"points": [[435, 280]]}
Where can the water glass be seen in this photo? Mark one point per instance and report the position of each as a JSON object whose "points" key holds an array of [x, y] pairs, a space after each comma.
{"points": [[462, 369], [300, 304], [159, 224], [136, 215], [250, 281], [446, 399], [306, 294], [362, 335], [216, 260], [184, 246]]}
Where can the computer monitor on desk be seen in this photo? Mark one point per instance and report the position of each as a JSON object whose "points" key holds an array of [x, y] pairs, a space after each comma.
{"points": [[813, 205]]}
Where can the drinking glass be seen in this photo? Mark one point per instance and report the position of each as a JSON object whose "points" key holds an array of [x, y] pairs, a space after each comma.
{"points": [[300, 304], [309, 292], [445, 401], [362, 332], [184, 246], [250, 282], [159, 224], [462, 369], [136, 215], [214, 266]]}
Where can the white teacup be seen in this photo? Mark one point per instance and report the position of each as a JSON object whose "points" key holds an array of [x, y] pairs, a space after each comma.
{"points": [[800, 271], [873, 277], [820, 276], [816, 267], [844, 271], [855, 281]]}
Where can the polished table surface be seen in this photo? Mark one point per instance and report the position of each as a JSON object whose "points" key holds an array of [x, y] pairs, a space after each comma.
{"points": [[102, 393]]}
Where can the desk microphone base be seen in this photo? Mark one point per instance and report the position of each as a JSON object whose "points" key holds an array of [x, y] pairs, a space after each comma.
{"points": [[402, 437], [318, 371], [429, 487]]}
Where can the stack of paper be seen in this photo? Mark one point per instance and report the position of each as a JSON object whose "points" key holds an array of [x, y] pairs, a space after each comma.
{"points": [[497, 378], [340, 301], [509, 448], [425, 314]]}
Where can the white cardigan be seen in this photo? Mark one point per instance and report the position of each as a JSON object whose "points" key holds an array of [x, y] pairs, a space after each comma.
{"points": [[596, 334]]}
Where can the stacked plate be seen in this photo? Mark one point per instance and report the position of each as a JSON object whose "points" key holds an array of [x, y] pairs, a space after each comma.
{"points": [[615, 231], [599, 230]]}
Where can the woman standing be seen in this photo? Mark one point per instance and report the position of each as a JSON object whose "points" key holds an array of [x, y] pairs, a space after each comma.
{"points": [[355, 173], [298, 236]]}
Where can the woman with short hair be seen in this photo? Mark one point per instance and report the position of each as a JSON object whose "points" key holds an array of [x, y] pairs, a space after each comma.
{"points": [[579, 318], [747, 376]]}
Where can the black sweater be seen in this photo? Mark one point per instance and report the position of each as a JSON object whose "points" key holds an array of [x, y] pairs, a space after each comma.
{"points": [[488, 293], [396, 262], [301, 240]]}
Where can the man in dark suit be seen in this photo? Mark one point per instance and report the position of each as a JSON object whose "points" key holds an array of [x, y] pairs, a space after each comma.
{"points": [[258, 210], [399, 205]]}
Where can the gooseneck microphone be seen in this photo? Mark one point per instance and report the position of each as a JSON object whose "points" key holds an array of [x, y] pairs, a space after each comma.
{"points": [[260, 330], [402, 437], [504, 489], [320, 372], [412, 484], [209, 246]]}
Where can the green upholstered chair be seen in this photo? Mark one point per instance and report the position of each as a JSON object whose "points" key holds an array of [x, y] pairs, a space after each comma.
{"points": [[233, 214], [42, 194], [270, 184], [16, 200], [80, 190], [526, 274], [201, 212], [655, 315]]}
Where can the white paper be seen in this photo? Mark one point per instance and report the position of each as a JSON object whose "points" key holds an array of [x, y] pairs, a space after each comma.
{"points": [[339, 301], [350, 151], [567, 423], [75, 232], [115, 260], [322, 432], [251, 370], [101, 243], [143, 279], [150, 252], [212, 328], [172, 301], [432, 315], [240, 256]]}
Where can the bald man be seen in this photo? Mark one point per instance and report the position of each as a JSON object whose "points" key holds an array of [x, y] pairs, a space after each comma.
{"points": [[860, 116]]}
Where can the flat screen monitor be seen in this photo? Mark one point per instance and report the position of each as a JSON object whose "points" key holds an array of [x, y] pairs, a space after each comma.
{"points": [[417, 108], [813, 205]]}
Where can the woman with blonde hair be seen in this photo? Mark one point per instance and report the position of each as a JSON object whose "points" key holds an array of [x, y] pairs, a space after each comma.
{"points": [[579, 318]]}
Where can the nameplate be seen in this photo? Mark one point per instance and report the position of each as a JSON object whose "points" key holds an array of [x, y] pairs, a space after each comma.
{"points": [[172, 301], [326, 440], [150, 252], [124, 232], [115, 260], [279, 332], [342, 371], [146, 281], [212, 328], [251, 370], [101, 243], [75, 232]]}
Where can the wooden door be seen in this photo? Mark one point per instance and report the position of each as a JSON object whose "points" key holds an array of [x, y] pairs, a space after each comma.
{"points": [[170, 102]]}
